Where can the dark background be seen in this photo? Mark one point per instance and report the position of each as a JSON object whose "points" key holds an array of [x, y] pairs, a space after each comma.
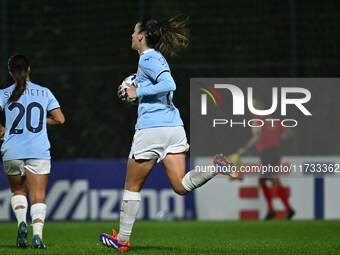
{"points": [[80, 49]]}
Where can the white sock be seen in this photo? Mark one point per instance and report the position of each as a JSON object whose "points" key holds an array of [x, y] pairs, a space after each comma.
{"points": [[195, 178], [128, 212], [20, 214], [38, 211], [38, 229]]}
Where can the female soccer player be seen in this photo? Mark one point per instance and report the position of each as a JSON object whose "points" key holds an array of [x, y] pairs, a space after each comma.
{"points": [[159, 135], [26, 149]]}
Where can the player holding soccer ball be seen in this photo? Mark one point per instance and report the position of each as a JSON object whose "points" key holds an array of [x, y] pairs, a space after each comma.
{"points": [[26, 149], [159, 135], [128, 81]]}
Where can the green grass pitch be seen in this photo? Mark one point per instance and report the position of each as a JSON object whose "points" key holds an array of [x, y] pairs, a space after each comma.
{"points": [[186, 237]]}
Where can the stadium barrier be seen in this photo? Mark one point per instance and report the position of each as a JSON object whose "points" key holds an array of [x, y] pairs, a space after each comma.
{"points": [[92, 190], [312, 198]]}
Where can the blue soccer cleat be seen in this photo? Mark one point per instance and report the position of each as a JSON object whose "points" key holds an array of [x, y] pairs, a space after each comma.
{"points": [[22, 238], [224, 166], [112, 241], [38, 243]]}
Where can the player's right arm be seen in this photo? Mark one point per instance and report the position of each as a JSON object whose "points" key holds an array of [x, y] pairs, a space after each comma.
{"points": [[56, 117], [165, 83], [2, 128], [253, 140], [158, 73], [2, 131], [120, 93]]}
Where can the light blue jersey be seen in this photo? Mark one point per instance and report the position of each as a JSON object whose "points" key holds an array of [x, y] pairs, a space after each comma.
{"points": [[155, 92], [26, 133]]}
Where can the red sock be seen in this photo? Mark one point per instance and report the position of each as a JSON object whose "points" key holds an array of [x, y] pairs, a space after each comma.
{"points": [[280, 191], [268, 195]]}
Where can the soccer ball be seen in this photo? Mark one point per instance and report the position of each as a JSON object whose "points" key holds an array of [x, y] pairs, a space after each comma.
{"points": [[131, 79]]}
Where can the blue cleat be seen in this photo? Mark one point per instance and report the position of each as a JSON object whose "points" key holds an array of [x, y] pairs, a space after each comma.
{"points": [[112, 241], [38, 243], [22, 238], [224, 166]]}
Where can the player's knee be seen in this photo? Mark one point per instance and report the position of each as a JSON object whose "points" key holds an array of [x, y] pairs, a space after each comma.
{"points": [[37, 198], [180, 191]]}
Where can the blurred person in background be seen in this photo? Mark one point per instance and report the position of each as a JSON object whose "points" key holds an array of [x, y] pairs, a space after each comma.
{"points": [[267, 139], [26, 148]]}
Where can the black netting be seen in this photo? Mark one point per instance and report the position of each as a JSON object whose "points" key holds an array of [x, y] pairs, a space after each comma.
{"points": [[80, 49]]}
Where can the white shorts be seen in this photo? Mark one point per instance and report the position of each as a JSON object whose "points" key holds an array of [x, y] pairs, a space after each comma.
{"points": [[157, 142], [18, 166]]}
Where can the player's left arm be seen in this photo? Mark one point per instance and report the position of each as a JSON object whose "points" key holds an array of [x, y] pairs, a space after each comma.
{"points": [[286, 133], [56, 117]]}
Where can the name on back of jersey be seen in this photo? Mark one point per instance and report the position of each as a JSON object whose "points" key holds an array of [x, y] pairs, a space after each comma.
{"points": [[30, 92]]}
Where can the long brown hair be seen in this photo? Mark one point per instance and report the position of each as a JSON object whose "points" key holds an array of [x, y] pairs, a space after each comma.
{"points": [[167, 36], [18, 66]]}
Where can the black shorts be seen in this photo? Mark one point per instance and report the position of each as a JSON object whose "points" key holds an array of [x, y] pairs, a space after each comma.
{"points": [[270, 157]]}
